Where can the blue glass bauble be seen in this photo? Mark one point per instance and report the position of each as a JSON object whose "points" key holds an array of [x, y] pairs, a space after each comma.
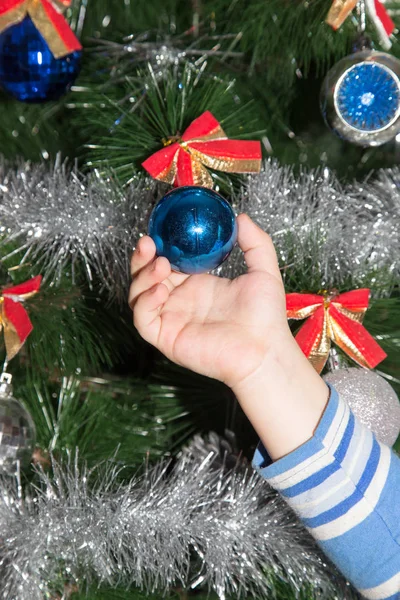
{"points": [[368, 96], [194, 227], [361, 98], [28, 70]]}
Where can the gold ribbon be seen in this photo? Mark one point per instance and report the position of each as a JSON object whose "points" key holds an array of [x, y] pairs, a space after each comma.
{"points": [[11, 337], [35, 9], [339, 12]]}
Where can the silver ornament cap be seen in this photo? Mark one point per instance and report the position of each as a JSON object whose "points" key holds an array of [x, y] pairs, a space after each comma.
{"points": [[371, 398], [17, 430]]}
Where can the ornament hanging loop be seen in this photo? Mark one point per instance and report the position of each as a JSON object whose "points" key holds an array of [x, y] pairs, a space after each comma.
{"points": [[335, 361], [362, 20], [5, 383], [362, 41]]}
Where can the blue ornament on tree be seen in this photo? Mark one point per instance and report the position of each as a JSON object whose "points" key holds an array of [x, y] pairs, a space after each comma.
{"points": [[194, 227], [360, 98], [28, 69]]}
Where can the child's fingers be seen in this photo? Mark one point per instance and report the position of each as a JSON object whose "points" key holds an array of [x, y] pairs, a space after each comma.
{"points": [[155, 272], [144, 253], [146, 314], [259, 251]]}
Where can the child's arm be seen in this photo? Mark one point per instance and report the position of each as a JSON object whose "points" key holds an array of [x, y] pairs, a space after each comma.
{"points": [[236, 331], [345, 485]]}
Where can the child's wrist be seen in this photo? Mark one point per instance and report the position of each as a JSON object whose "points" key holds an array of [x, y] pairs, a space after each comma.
{"points": [[277, 356], [284, 399]]}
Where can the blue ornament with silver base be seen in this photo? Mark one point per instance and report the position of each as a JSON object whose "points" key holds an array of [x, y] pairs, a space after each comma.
{"points": [[28, 69], [194, 227], [360, 98]]}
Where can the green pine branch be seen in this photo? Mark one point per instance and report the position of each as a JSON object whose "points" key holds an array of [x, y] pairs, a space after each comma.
{"points": [[163, 110], [105, 419]]}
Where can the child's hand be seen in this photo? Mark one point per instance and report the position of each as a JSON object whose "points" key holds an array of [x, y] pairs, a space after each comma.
{"points": [[214, 326], [235, 331]]}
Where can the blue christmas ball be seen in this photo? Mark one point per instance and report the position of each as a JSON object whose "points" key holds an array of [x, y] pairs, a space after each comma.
{"points": [[28, 69], [360, 98], [194, 227], [368, 96]]}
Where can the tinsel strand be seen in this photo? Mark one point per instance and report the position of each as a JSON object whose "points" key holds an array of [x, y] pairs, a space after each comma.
{"points": [[69, 225], [197, 524], [327, 235]]}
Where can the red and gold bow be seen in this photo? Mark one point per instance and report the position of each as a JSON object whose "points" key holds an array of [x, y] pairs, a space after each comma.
{"points": [[337, 318], [339, 11], [47, 18], [183, 159], [378, 14], [13, 316]]}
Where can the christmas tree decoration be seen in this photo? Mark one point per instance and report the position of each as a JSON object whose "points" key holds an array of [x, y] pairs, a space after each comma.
{"points": [[338, 318], [39, 53], [17, 430], [378, 14], [192, 524], [61, 220], [14, 320], [166, 51], [371, 398], [360, 98], [332, 234], [381, 20], [73, 225], [339, 11], [194, 227], [184, 157]]}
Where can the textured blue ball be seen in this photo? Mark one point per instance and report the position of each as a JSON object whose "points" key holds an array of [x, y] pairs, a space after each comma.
{"points": [[194, 227], [28, 70], [367, 97]]}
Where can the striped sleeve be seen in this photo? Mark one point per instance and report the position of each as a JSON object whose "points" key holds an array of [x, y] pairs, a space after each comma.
{"points": [[345, 487]]}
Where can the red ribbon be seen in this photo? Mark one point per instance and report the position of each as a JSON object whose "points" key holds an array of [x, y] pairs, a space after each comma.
{"points": [[13, 317], [337, 318], [47, 17], [382, 21], [384, 25], [183, 159]]}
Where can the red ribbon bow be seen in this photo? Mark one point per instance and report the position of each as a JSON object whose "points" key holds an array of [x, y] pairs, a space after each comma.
{"points": [[183, 159], [48, 19], [336, 318], [13, 316], [341, 9]]}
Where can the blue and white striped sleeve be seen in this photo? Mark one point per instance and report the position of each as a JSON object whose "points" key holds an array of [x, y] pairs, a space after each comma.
{"points": [[345, 487]]}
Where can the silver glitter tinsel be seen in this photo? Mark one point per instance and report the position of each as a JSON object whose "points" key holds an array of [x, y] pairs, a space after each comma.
{"points": [[169, 51], [371, 398], [326, 235], [195, 524], [68, 225]]}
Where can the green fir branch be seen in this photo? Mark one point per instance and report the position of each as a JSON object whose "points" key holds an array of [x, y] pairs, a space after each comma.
{"points": [[119, 420], [63, 338], [164, 109]]}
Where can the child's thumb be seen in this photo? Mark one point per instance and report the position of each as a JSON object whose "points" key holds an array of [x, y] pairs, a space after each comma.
{"points": [[259, 251]]}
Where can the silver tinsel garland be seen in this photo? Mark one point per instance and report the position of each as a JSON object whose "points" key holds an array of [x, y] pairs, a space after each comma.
{"points": [[172, 50], [326, 235], [194, 524], [63, 223]]}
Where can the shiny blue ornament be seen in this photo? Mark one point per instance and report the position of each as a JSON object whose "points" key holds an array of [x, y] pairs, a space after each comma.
{"points": [[368, 96], [194, 227], [28, 69]]}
